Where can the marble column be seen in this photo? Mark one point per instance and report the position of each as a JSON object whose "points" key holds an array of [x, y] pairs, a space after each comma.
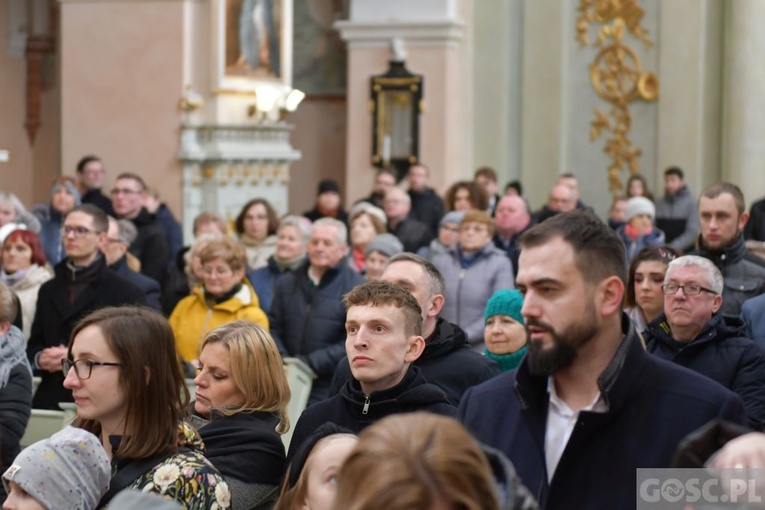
{"points": [[743, 101], [690, 70]]}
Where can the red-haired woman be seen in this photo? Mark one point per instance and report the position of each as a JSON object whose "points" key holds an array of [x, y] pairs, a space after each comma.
{"points": [[24, 271]]}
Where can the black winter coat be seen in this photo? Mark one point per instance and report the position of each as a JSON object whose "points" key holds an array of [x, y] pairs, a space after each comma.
{"points": [[448, 361], [652, 406], [151, 247], [308, 321], [355, 411], [743, 274], [413, 234], [427, 208], [723, 354], [56, 317]]}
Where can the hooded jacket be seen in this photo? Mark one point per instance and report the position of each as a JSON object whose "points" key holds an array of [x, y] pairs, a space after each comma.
{"points": [[354, 410], [193, 317], [720, 352], [509, 413], [743, 273], [448, 361], [468, 289], [678, 217]]}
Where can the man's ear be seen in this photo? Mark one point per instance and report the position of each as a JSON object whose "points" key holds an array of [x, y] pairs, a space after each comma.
{"points": [[416, 346], [4, 327], [436, 304], [742, 220], [611, 293], [717, 303]]}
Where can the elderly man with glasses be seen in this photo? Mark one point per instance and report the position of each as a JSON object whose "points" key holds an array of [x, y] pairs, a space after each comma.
{"points": [[693, 333], [82, 283]]}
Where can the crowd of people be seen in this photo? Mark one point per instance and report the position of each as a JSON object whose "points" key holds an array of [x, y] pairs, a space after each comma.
{"points": [[467, 349]]}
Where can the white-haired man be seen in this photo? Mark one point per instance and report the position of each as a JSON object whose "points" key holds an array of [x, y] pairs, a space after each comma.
{"points": [[693, 334]]}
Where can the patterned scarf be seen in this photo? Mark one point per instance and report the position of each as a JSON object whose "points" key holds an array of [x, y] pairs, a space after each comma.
{"points": [[13, 350]]}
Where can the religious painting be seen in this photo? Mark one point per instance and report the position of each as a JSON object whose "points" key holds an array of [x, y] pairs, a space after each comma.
{"points": [[254, 43]]}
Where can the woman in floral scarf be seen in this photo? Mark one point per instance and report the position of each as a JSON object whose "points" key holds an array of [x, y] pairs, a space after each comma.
{"points": [[129, 391]]}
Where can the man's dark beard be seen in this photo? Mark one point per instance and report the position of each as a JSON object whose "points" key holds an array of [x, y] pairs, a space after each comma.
{"points": [[565, 346]]}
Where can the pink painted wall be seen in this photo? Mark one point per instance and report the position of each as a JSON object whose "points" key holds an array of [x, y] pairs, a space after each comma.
{"points": [[122, 72], [31, 168]]}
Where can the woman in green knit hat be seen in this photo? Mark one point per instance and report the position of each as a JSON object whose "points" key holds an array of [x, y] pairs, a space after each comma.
{"points": [[505, 330]]}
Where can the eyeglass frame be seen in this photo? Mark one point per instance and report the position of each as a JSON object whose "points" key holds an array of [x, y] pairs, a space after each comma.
{"points": [[78, 231], [666, 292], [67, 364], [124, 191]]}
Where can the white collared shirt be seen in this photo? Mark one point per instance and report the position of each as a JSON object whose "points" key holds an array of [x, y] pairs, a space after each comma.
{"points": [[561, 420]]}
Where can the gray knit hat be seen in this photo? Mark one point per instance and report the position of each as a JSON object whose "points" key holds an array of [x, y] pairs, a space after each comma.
{"points": [[639, 205], [452, 217], [67, 471], [387, 244]]}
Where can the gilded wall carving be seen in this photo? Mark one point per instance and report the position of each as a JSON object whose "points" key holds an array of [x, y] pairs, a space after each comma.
{"points": [[617, 77]]}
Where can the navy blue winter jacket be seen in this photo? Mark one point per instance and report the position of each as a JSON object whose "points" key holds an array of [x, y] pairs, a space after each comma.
{"points": [[652, 405], [308, 321], [722, 353]]}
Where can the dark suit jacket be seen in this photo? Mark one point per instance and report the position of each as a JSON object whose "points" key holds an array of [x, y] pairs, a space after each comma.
{"points": [[56, 317]]}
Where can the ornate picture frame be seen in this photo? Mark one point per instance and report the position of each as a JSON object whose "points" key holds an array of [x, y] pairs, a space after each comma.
{"points": [[253, 44]]}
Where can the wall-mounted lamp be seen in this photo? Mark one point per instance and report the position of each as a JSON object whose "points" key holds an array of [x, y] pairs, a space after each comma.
{"points": [[271, 102], [190, 100], [396, 103]]}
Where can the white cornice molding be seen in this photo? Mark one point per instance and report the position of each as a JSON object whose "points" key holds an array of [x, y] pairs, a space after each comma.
{"points": [[379, 35]]}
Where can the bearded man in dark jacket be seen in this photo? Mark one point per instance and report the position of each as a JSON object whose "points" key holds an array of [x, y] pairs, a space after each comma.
{"points": [[384, 337], [448, 360], [693, 334]]}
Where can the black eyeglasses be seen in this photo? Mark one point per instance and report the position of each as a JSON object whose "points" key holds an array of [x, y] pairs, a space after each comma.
{"points": [[84, 367], [77, 231], [669, 289]]}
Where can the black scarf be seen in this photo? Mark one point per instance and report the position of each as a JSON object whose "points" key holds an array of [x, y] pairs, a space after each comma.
{"points": [[245, 446]]}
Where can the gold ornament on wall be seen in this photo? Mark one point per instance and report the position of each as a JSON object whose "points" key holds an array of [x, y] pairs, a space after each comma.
{"points": [[617, 77]]}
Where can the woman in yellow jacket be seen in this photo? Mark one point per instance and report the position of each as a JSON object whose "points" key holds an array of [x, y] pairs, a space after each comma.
{"points": [[223, 296]]}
